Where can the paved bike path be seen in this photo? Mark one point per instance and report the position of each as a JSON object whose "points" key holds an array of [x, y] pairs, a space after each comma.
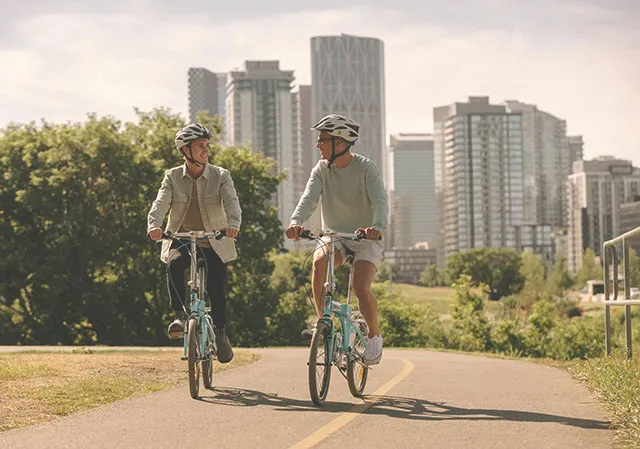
{"points": [[417, 399]]}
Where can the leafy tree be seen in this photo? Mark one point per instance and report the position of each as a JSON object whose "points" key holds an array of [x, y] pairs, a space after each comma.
{"points": [[251, 297], [386, 270], [431, 276], [559, 279], [497, 268], [532, 270], [77, 264], [72, 220], [471, 327], [590, 269], [534, 289]]}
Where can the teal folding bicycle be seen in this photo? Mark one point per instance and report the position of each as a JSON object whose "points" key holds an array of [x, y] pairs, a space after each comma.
{"points": [[343, 348], [199, 339]]}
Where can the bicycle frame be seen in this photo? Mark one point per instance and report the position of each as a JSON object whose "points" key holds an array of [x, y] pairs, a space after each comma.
{"points": [[197, 306], [343, 311]]}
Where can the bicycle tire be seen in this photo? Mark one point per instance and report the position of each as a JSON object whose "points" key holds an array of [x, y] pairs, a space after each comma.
{"points": [[207, 365], [356, 378], [193, 358], [356, 372], [321, 337]]}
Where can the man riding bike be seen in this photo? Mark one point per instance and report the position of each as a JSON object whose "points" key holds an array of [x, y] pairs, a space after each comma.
{"points": [[198, 196], [353, 197]]}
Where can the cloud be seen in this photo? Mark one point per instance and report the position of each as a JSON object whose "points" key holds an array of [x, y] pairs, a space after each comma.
{"points": [[68, 64]]}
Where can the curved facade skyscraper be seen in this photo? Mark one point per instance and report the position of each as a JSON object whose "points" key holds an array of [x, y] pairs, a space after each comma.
{"points": [[347, 77]]}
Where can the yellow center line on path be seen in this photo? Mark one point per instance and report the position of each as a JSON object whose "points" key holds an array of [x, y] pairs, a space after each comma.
{"points": [[326, 430]]}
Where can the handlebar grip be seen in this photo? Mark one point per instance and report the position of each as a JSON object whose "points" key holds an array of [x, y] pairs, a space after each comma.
{"points": [[306, 234], [361, 235]]}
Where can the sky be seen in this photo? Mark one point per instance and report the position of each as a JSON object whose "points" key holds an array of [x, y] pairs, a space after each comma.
{"points": [[576, 59]]}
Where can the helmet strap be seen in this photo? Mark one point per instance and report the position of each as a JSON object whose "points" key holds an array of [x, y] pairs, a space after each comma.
{"points": [[190, 157], [335, 156]]}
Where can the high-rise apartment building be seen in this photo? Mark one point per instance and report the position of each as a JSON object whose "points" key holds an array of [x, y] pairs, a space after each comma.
{"points": [[596, 189], [412, 189], [262, 110], [576, 149], [347, 75], [207, 92], [478, 157], [548, 156], [203, 92], [630, 220]]}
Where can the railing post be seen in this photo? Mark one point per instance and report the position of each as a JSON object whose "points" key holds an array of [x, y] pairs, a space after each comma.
{"points": [[610, 267], [627, 295], [607, 295]]}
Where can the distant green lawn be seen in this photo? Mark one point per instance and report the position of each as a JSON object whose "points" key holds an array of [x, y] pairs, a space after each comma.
{"points": [[438, 298]]}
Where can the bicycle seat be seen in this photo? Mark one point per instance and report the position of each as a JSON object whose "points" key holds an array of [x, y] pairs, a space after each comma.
{"points": [[201, 263], [350, 256]]}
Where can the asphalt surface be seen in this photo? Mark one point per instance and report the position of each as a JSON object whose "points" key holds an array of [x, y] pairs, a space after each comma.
{"points": [[418, 399]]}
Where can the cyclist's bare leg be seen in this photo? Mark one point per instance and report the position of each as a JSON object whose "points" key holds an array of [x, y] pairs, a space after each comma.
{"points": [[319, 276], [363, 275]]}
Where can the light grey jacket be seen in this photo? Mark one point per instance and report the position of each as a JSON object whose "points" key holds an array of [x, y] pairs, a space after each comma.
{"points": [[217, 199]]}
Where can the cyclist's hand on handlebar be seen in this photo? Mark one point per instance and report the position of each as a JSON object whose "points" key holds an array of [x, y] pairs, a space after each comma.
{"points": [[231, 233], [370, 233], [155, 234], [294, 231]]}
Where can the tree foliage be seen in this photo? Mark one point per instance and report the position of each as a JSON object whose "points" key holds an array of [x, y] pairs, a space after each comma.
{"points": [[497, 268], [589, 270], [77, 266], [431, 276], [559, 280]]}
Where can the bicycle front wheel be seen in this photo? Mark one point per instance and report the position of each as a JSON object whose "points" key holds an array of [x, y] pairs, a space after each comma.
{"points": [[320, 363], [207, 364], [193, 357], [357, 372]]}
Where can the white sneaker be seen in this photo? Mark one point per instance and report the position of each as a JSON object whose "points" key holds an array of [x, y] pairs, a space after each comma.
{"points": [[373, 352]]}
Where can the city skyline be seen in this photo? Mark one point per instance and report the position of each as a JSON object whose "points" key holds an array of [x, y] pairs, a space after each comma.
{"points": [[63, 60]]}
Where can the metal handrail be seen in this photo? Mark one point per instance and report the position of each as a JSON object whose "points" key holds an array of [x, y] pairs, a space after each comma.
{"points": [[609, 249]]}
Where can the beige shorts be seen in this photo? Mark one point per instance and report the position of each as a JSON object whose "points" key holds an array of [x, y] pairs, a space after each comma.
{"points": [[364, 250]]}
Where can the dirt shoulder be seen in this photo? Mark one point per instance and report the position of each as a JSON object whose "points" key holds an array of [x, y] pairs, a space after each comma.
{"points": [[41, 386]]}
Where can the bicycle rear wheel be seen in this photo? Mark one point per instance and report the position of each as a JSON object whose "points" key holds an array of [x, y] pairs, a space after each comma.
{"points": [[320, 363], [193, 357], [356, 372]]}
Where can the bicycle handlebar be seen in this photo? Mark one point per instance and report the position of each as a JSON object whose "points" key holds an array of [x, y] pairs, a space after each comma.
{"points": [[217, 235], [357, 236]]}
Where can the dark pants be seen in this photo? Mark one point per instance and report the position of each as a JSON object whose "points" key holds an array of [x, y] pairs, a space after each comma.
{"points": [[216, 272]]}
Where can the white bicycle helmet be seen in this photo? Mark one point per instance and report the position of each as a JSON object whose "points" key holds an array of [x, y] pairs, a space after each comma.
{"points": [[190, 133], [339, 126]]}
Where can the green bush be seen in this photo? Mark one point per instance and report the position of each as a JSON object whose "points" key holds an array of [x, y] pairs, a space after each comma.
{"points": [[579, 338], [537, 332], [470, 328], [407, 325], [507, 338]]}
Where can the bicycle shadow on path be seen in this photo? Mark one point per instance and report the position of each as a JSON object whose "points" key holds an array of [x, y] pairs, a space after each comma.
{"points": [[393, 407]]}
